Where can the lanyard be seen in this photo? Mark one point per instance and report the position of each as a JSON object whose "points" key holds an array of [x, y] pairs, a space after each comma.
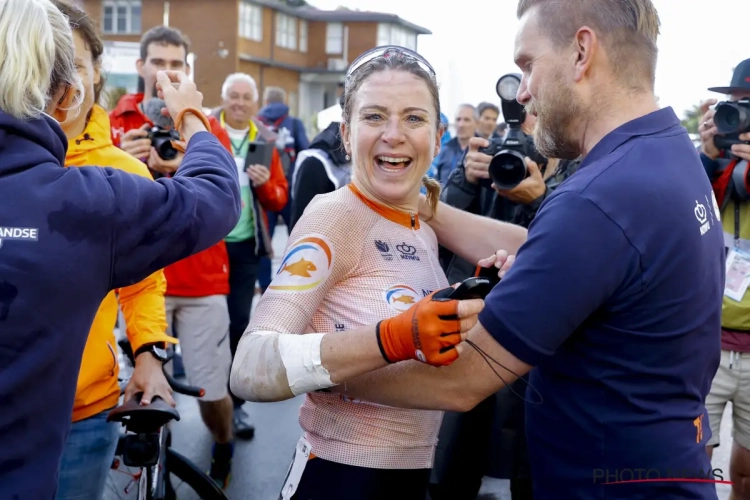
{"points": [[237, 149], [736, 224]]}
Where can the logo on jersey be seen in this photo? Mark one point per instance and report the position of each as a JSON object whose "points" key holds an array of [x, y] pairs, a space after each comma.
{"points": [[401, 297], [307, 264], [407, 251], [384, 249], [702, 215]]}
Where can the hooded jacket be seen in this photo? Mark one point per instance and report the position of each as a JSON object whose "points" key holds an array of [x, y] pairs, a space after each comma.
{"points": [[68, 236], [142, 304], [320, 169], [205, 273], [290, 129]]}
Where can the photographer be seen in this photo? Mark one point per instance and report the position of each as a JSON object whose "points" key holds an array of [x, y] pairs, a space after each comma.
{"points": [[489, 440], [725, 152]]}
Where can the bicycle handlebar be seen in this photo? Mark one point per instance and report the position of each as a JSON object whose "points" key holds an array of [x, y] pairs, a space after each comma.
{"points": [[180, 388]]}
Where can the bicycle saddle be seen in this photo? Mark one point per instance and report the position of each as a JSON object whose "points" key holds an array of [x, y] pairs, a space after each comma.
{"points": [[148, 418]]}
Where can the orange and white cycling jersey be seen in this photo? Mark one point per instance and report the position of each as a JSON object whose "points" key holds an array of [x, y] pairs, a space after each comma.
{"points": [[349, 263]]}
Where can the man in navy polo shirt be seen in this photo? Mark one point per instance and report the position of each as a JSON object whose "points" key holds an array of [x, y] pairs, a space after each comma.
{"points": [[616, 295]]}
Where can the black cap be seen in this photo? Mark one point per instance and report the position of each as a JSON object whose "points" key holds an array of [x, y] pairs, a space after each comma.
{"points": [[740, 80]]}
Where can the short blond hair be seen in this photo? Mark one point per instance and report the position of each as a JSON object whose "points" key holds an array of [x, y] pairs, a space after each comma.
{"points": [[628, 30], [37, 57]]}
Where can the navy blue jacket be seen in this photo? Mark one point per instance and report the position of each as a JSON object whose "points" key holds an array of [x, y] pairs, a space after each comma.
{"points": [[67, 237]]}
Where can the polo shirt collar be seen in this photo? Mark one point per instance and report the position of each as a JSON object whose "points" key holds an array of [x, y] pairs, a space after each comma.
{"points": [[650, 124]]}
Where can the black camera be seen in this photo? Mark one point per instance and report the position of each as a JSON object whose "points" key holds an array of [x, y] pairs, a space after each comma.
{"points": [[161, 140], [508, 166], [731, 118]]}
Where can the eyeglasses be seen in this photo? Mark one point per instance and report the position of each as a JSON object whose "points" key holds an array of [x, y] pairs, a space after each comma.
{"points": [[388, 51]]}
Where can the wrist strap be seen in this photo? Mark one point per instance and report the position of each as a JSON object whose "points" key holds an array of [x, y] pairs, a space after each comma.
{"points": [[196, 112]]}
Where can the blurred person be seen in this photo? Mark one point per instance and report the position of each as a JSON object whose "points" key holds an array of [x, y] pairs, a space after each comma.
{"points": [[197, 286], [264, 190], [623, 339], [91, 443], [320, 169], [71, 235], [501, 130], [292, 139], [362, 268], [487, 115], [446, 132], [453, 150], [725, 160]]}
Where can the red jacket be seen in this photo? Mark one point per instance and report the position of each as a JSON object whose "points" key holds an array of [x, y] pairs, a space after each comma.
{"points": [[207, 272]]}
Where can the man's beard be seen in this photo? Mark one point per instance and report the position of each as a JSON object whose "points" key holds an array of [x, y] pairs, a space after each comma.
{"points": [[554, 136]]}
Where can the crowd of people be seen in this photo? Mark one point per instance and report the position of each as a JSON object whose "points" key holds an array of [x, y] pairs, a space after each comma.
{"points": [[612, 342]]}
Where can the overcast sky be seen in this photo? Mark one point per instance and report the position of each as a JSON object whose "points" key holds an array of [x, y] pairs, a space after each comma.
{"points": [[471, 47]]}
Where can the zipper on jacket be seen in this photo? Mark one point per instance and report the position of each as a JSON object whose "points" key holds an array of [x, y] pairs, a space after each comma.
{"points": [[114, 358], [413, 220]]}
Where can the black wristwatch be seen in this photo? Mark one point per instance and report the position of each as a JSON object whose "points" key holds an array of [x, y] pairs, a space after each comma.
{"points": [[157, 350]]}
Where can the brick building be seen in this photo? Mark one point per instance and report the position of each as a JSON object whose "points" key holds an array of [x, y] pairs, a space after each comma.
{"points": [[284, 43]]}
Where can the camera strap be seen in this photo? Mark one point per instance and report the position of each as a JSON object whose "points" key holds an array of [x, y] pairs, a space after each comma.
{"points": [[736, 224]]}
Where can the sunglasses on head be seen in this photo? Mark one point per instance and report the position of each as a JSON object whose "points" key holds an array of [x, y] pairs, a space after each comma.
{"points": [[388, 51]]}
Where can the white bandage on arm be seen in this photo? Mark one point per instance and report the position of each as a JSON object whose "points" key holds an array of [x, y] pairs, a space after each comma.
{"points": [[301, 357], [269, 366]]}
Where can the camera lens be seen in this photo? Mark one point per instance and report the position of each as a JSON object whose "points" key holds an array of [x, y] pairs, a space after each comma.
{"points": [[507, 169], [731, 118]]}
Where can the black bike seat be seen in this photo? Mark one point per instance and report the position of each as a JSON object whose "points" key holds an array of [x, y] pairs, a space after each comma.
{"points": [[151, 416]]}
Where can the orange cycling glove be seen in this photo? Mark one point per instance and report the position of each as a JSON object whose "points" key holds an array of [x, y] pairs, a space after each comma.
{"points": [[429, 332]]}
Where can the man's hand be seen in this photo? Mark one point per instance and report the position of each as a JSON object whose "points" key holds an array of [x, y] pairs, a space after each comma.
{"points": [[742, 150], [501, 260], [476, 164], [149, 379], [258, 175], [134, 142], [166, 167], [708, 130], [531, 188]]}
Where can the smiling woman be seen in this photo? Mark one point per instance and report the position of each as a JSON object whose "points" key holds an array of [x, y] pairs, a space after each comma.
{"points": [[355, 293]]}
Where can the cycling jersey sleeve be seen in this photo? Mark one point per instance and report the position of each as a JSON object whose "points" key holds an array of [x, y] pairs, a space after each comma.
{"points": [[321, 252]]}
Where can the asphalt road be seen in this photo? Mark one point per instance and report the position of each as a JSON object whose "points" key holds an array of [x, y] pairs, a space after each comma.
{"points": [[260, 465]]}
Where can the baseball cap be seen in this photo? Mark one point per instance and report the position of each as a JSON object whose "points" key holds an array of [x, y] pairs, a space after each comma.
{"points": [[740, 80]]}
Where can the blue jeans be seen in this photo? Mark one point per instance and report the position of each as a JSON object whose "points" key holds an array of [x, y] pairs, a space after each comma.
{"points": [[264, 271], [87, 458]]}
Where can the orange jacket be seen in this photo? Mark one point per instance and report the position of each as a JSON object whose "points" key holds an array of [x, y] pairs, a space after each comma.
{"points": [[142, 304], [202, 274]]}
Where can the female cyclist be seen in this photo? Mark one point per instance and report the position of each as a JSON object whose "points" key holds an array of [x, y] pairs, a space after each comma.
{"points": [[362, 271], [68, 236]]}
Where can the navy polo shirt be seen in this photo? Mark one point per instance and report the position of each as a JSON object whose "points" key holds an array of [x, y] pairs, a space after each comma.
{"points": [[615, 298]]}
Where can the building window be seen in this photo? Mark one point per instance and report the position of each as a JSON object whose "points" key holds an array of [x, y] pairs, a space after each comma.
{"points": [[334, 38], [251, 21], [389, 34], [121, 16], [286, 31], [302, 36]]}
